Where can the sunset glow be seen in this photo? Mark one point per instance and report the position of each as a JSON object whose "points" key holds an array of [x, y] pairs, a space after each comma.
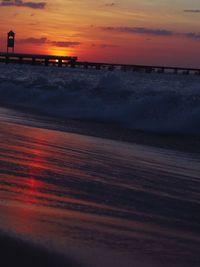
{"points": [[129, 31]]}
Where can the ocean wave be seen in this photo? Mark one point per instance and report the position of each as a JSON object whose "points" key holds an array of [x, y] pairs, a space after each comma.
{"points": [[164, 103]]}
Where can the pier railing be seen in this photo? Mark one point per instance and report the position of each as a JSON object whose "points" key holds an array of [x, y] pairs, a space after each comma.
{"points": [[68, 61]]}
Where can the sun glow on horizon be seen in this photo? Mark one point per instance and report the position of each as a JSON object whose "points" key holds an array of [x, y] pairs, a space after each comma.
{"points": [[123, 32], [60, 51]]}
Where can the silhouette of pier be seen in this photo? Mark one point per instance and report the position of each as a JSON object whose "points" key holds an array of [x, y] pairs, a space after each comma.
{"points": [[34, 59], [68, 61]]}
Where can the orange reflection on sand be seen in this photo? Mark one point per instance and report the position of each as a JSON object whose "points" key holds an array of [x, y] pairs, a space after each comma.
{"points": [[35, 189], [24, 189], [36, 168]]}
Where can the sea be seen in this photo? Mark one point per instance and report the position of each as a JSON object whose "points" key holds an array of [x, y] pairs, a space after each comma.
{"points": [[93, 199]]}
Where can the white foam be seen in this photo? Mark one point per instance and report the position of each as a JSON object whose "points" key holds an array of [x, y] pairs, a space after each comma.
{"points": [[154, 102]]}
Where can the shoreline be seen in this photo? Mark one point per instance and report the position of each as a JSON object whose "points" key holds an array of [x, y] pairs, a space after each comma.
{"points": [[109, 130], [20, 252]]}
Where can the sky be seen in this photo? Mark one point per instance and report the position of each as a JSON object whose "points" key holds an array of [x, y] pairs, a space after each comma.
{"points": [[156, 32]]}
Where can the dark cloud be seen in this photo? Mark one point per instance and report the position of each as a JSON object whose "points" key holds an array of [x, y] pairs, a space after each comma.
{"points": [[141, 30], [110, 4], [32, 40], [153, 32], [191, 35], [191, 10], [64, 44], [108, 46], [20, 3], [44, 40], [104, 46]]}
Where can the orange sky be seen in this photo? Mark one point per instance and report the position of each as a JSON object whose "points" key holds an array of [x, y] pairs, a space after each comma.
{"points": [[128, 31]]}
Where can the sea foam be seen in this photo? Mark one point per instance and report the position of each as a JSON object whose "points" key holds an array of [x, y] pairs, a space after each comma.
{"points": [[164, 103]]}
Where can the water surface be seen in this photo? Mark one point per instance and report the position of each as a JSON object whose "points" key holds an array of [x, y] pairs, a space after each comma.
{"points": [[103, 202]]}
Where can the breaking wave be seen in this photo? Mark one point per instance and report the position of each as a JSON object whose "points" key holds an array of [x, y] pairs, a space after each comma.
{"points": [[164, 103]]}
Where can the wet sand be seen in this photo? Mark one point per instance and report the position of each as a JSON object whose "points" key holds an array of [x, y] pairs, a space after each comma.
{"points": [[15, 252], [112, 131], [141, 202]]}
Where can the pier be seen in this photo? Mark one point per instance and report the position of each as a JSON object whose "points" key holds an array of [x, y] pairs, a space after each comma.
{"points": [[34, 59], [69, 61]]}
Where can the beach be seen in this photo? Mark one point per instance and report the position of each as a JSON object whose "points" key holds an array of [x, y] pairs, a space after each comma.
{"points": [[96, 201]]}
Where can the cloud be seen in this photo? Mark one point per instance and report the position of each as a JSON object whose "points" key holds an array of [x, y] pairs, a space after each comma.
{"points": [[44, 40], [191, 10], [32, 40], [64, 44], [110, 4], [108, 46], [152, 32], [191, 35], [140, 30], [104, 46], [20, 3]]}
